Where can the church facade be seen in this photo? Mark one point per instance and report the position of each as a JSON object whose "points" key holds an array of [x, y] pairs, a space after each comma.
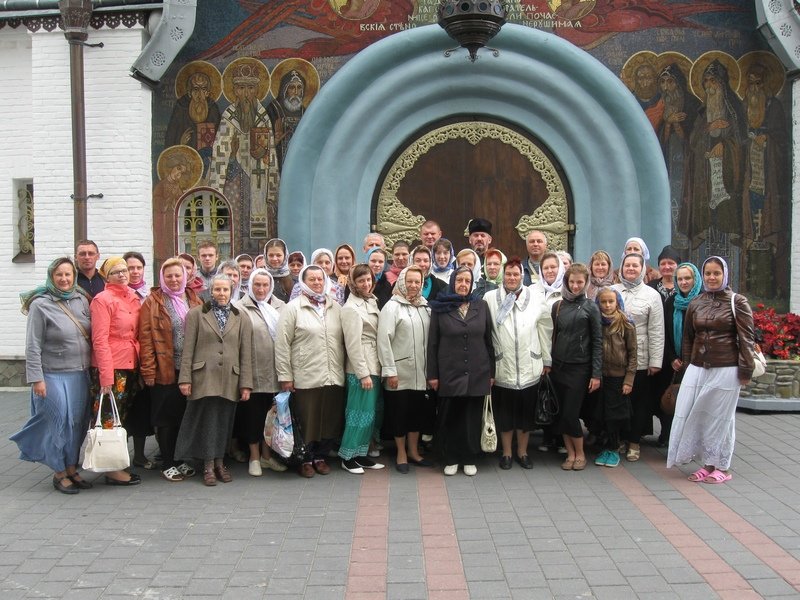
{"points": [[318, 122]]}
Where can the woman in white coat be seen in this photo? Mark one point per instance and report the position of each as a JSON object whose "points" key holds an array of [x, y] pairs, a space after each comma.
{"points": [[522, 334], [643, 306], [402, 341], [309, 358]]}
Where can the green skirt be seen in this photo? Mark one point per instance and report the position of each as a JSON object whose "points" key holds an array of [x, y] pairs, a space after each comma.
{"points": [[359, 417]]}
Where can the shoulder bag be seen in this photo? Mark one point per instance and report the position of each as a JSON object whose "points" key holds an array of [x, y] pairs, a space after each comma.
{"points": [[106, 449]]}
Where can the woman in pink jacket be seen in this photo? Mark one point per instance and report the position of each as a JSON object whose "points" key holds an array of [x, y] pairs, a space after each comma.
{"points": [[115, 348]]}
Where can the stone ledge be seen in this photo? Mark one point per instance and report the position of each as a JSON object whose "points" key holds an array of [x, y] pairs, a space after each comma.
{"points": [[769, 404]]}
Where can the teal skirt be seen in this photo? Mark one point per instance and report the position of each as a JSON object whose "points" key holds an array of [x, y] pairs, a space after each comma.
{"points": [[359, 417]]}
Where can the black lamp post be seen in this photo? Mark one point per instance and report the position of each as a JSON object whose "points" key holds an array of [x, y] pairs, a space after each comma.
{"points": [[75, 15], [472, 23]]}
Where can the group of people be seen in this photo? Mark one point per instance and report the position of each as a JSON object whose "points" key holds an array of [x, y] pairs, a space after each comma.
{"points": [[404, 345]]}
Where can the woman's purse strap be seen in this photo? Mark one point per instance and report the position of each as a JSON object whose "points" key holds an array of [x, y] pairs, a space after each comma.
{"points": [[70, 314], [114, 411]]}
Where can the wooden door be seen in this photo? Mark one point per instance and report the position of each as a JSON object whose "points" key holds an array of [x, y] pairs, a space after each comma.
{"points": [[466, 169]]}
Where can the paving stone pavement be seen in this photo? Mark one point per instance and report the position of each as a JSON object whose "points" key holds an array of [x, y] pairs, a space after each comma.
{"points": [[638, 531]]}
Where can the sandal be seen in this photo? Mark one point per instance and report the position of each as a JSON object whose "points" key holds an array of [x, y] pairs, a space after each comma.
{"points": [[186, 470], [172, 474], [699, 475], [633, 454], [209, 478], [717, 476]]}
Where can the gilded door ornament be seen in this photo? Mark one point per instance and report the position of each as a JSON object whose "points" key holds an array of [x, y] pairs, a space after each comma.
{"points": [[395, 221]]}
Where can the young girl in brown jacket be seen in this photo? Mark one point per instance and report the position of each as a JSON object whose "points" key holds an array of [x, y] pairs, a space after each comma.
{"points": [[619, 369]]}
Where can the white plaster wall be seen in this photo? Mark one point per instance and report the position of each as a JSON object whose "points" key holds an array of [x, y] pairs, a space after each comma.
{"points": [[118, 134]]}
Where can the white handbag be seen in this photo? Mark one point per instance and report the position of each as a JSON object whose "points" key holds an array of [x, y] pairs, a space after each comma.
{"points": [[488, 432], [106, 449]]}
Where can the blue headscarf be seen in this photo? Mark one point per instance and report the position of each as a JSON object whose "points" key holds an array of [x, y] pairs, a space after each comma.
{"points": [[435, 268], [448, 300], [682, 303], [49, 286], [370, 253]]}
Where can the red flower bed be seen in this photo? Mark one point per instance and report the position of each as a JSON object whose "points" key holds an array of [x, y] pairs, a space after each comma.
{"points": [[778, 335]]}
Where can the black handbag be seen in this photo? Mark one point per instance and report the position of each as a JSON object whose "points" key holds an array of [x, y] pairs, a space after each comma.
{"points": [[546, 402]]}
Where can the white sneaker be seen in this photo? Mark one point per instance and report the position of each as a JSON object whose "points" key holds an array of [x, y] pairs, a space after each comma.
{"points": [[272, 464], [254, 468], [451, 469], [470, 470]]}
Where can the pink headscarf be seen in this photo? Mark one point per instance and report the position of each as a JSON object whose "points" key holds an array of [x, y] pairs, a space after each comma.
{"points": [[179, 301]]}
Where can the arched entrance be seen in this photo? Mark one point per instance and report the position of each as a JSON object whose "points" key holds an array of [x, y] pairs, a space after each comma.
{"points": [[539, 84], [470, 168]]}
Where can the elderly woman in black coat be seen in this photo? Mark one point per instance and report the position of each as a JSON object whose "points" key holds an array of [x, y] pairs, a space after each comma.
{"points": [[460, 368]]}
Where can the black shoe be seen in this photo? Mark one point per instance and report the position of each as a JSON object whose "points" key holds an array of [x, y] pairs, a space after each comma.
{"points": [[352, 466], [134, 480], [423, 462], [524, 462], [64, 489], [82, 484], [402, 468], [505, 462]]}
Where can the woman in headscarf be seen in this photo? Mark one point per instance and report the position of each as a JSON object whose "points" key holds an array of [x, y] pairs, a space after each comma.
{"points": [[551, 278], [140, 406], [323, 258], [431, 286], [402, 338], [444, 260], [689, 284], [344, 257], [216, 371], [136, 280], [57, 358], [231, 269], [522, 335], [376, 260], [461, 367], [115, 353], [360, 327], [400, 252], [601, 273], [643, 306], [193, 281], [717, 347], [636, 245], [278, 266], [263, 310], [577, 358], [162, 321], [310, 360], [470, 259]]}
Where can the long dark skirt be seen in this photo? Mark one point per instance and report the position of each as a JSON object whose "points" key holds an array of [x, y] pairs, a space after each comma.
{"points": [[206, 429], [571, 382], [167, 407], [403, 410], [253, 414], [642, 408], [514, 409], [54, 433], [459, 435], [321, 412]]}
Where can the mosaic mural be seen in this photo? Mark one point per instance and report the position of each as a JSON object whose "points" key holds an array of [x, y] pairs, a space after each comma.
{"points": [[713, 92]]}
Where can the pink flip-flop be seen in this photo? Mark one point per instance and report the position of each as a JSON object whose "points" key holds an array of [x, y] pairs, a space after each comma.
{"points": [[718, 476], [699, 475]]}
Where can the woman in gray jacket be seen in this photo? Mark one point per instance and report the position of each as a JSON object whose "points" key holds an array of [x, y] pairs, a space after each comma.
{"points": [[57, 360], [402, 339]]}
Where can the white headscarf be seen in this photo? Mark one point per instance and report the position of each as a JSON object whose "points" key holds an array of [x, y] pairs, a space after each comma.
{"points": [[267, 310]]}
